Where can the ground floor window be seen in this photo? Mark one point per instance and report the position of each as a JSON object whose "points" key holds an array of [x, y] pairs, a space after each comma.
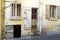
{"points": [[51, 12]]}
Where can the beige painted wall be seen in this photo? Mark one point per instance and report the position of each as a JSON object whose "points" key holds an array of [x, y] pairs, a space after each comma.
{"points": [[46, 24], [24, 4], [49, 25]]}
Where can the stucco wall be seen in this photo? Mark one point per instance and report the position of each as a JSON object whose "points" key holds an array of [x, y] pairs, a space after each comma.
{"points": [[46, 24], [49, 25], [24, 4]]}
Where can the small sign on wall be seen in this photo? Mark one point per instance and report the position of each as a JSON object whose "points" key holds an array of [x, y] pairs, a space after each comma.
{"points": [[27, 18]]}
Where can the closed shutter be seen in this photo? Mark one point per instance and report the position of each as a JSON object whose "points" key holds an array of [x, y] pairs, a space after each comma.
{"points": [[58, 12], [47, 11]]}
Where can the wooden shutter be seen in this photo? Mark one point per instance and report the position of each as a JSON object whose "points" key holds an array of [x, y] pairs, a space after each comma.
{"points": [[47, 11], [58, 12]]}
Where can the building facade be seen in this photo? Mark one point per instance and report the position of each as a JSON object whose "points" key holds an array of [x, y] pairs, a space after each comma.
{"points": [[20, 17], [24, 16], [51, 14]]}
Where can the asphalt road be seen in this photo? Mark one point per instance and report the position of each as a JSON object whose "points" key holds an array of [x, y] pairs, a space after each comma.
{"points": [[48, 37], [45, 37]]}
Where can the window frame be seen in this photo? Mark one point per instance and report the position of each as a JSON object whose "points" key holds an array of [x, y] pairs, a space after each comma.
{"points": [[50, 15], [15, 13], [52, 11], [34, 13]]}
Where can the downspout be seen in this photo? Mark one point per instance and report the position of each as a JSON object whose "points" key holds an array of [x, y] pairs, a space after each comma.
{"points": [[40, 16], [39, 23]]}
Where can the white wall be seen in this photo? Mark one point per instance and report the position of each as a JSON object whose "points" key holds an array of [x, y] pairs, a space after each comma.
{"points": [[24, 4], [30, 3], [7, 10], [52, 2], [47, 23]]}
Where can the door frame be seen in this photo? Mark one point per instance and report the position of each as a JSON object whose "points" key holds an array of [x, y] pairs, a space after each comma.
{"points": [[36, 16]]}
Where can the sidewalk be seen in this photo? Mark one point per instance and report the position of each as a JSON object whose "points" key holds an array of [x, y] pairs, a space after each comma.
{"points": [[25, 37], [43, 35]]}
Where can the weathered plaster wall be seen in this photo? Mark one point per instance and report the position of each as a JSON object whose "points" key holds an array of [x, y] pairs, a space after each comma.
{"points": [[24, 4], [49, 25]]}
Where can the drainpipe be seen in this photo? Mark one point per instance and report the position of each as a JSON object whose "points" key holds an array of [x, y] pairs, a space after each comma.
{"points": [[40, 16], [39, 23]]}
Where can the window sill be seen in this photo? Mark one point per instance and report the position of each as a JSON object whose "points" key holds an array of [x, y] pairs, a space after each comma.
{"points": [[15, 18], [10, 31], [53, 19], [26, 28]]}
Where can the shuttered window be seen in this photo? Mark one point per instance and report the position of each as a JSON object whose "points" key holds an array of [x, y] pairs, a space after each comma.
{"points": [[51, 12]]}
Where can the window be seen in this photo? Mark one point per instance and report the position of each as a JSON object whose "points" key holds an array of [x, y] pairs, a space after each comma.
{"points": [[16, 10], [34, 13], [51, 12]]}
